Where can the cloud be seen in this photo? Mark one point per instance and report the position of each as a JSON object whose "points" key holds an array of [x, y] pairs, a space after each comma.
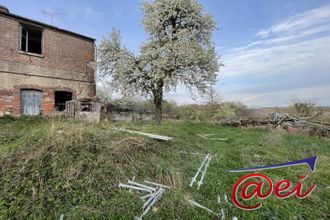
{"points": [[299, 22], [291, 54], [280, 59], [286, 96]]}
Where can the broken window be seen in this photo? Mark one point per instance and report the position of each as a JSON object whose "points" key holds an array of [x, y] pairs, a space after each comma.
{"points": [[31, 40], [60, 98], [86, 107]]}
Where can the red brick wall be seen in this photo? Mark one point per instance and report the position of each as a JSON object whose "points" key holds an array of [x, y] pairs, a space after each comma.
{"points": [[60, 50], [10, 99]]}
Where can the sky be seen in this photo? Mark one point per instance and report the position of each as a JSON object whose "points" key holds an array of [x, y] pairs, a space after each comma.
{"points": [[273, 52]]}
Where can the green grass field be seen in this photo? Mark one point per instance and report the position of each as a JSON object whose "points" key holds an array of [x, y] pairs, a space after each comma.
{"points": [[54, 167]]}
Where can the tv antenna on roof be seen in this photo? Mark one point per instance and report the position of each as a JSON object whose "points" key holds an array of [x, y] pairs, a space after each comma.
{"points": [[51, 14]]}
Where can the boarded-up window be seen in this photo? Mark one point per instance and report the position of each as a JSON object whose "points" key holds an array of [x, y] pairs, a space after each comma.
{"points": [[31, 40]]}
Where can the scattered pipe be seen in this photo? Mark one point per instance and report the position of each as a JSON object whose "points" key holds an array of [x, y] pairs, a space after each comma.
{"points": [[226, 198], [199, 170], [146, 196], [222, 215], [158, 195], [157, 184], [142, 186], [151, 198], [202, 136], [133, 187], [200, 182], [185, 152], [155, 136], [192, 202], [154, 194], [218, 139], [133, 178], [206, 136], [218, 199]]}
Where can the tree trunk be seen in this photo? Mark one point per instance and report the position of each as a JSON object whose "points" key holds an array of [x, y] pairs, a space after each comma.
{"points": [[158, 99]]}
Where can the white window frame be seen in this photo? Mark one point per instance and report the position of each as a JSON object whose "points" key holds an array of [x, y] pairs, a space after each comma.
{"points": [[26, 51]]}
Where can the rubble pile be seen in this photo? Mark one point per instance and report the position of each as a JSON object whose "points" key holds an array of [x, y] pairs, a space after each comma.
{"points": [[284, 121]]}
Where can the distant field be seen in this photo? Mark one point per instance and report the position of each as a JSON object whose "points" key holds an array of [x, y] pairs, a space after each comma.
{"points": [[54, 167]]}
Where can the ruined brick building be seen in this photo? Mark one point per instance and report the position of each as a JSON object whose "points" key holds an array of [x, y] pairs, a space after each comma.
{"points": [[42, 66]]}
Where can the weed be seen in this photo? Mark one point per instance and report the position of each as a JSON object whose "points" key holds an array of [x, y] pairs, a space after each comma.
{"points": [[51, 167]]}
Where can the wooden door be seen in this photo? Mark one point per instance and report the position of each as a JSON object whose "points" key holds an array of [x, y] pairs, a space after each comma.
{"points": [[31, 102]]}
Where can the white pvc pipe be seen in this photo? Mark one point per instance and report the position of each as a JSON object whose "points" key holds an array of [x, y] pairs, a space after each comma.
{"points": [[226, 198], [141, 185], [157, 184], [155, 136], [222, 215], [192, 202], [133, 187], [203, 174], [156, 198], [146, 196], [152, 197], [199, 170]]}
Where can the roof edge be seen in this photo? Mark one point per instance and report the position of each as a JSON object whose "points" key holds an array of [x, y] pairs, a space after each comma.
{"points": [[18, 17]]}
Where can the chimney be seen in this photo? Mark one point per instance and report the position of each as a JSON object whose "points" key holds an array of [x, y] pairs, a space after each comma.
{"points": [[4, 9]]}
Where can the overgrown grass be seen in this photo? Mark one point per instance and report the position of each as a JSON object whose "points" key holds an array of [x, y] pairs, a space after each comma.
{"points": [[51, 167]]}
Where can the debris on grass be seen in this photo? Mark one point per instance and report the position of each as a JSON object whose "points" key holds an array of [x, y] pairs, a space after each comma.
{"points": [[146, 196], [150, 202], [157, 184], [223, 215], [194, 203], [62, 217], [134, 187], [200, 182], [142, 185], [154, 136], [202, 136], [155, 192], [204, 164], [193, 153], [133, 178], [218, 199], [218, 139], [199, 170], [226, 198], [207, 137], [235, 218]]}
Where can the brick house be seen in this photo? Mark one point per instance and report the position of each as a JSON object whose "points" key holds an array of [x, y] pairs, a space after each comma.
{"points": [[42, 66]]}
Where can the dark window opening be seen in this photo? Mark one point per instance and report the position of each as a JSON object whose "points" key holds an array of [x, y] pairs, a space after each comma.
{"points": [[86, 107], [31, 40], [60, 98]]}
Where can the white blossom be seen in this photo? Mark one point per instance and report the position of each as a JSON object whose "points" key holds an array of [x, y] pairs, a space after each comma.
{"points": [[179, 51]]}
